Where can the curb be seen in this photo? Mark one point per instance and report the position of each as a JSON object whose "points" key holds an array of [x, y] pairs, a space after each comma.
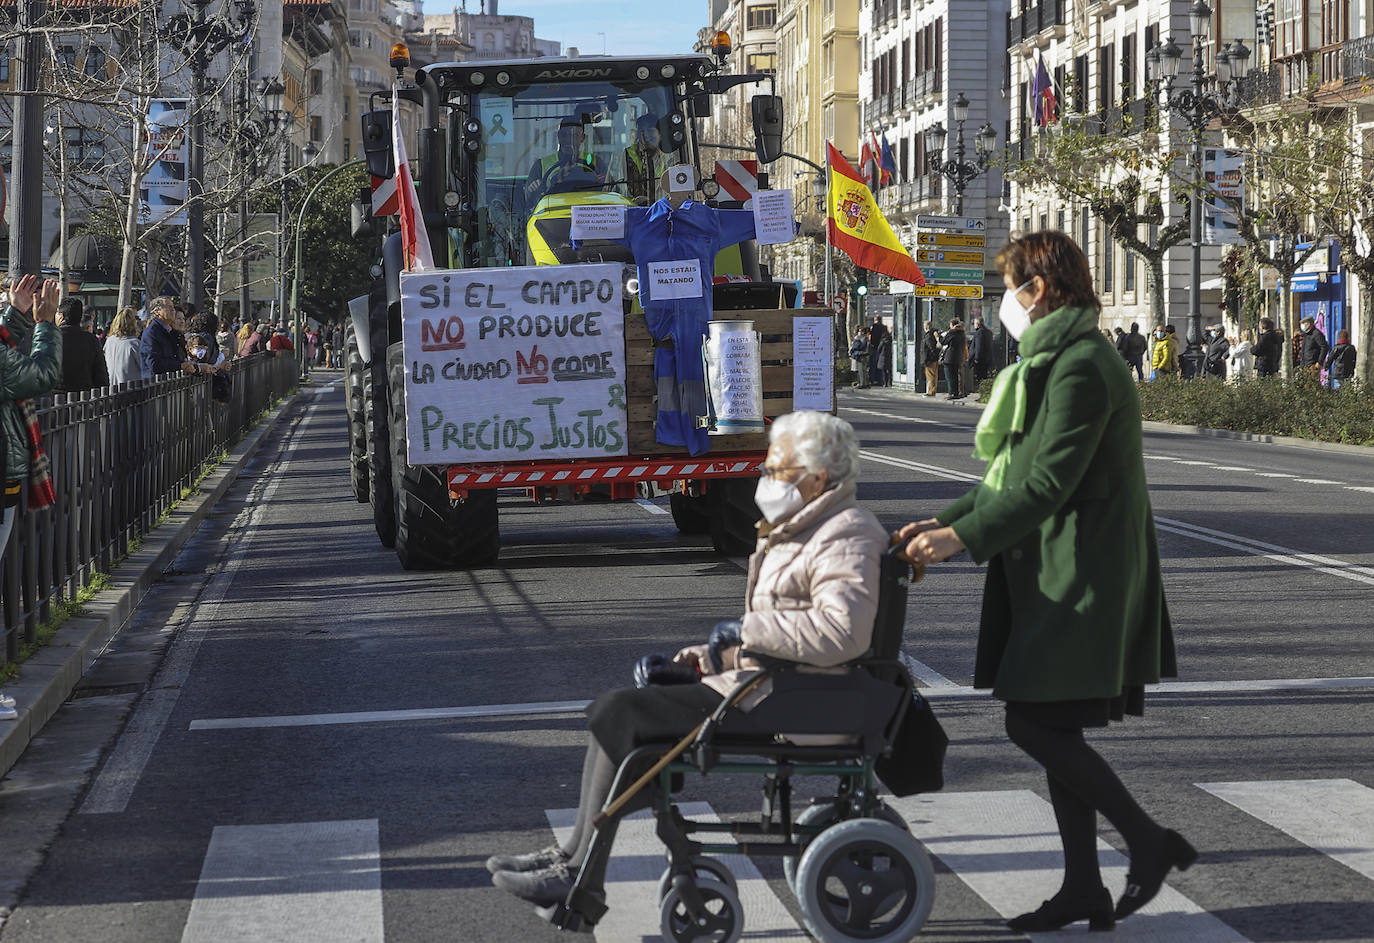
{"points": [[47, 679], [1170, 428]]}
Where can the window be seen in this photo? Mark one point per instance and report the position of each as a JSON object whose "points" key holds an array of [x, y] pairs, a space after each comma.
{"points": [[348, 149], [1128, 271], [1080, 84], [6, 154], [5, 62], [316, 128], [347, 107], [66, 57], [95, 61], [1044, 221], [766, 62], [85, 148], [1059, 221], [1108, 261], [316, 82], [1106, 77], [761, 16], [1128, 68], [355, 39]]}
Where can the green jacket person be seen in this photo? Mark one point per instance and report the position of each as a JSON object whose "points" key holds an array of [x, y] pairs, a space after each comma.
{"points": [[1074, 621]]}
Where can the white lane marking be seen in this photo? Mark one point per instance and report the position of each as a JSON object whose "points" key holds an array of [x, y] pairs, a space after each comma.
{"points": [[114, 785], [1333, 816], [1317, 481], [934, 685], [384, 717], [1359, 488], [1329, 565], [1236, 468], [637, 862], [1005, 846], [1184, 461], [650, 506], [1275, 475], [306, 882]]}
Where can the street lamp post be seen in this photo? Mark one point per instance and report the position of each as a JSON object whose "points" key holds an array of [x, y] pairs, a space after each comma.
{"points": [[958, 171], [279, 122], [1198, 108], [200, 40]]}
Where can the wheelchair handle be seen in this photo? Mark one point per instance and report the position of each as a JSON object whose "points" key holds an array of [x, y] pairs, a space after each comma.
{"points": [[895, 549]]}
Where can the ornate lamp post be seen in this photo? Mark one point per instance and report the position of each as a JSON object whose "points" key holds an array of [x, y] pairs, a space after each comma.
{"points": [[1198, 107], [200, 40], [958, 171], [279, 123]]}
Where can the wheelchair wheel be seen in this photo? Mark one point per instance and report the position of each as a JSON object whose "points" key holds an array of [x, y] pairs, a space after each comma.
{"points": [[722, 923], [865, 879], [825, 814], [704, 867]]}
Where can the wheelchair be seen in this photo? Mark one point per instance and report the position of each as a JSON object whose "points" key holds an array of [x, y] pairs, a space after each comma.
{"points": [[857, 871]]}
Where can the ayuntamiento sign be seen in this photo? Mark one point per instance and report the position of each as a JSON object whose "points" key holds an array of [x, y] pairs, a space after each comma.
{"points": [[514, 364]]}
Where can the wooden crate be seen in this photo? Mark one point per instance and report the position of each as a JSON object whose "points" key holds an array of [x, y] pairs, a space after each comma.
{"points": [[775, 348]]}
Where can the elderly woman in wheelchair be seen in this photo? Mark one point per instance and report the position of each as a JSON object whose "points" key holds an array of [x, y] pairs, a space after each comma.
{"points": [[808, 681]]}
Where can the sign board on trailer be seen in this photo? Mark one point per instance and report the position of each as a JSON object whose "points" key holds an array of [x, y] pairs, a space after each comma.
{"points": [[514, 363]]}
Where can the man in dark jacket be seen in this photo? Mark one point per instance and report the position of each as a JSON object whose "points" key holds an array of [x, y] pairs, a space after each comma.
{"points": [[1218, 352], [160, 351], [980, 352], [930, 357], [1314, 346], [1341, 361], [879, 352], [1132, 347], [952, 357], [83, 362], [1268, 349]]}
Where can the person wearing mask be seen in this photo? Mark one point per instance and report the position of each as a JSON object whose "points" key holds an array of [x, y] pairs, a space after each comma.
{"points": [[1268, 349], [930, 357], [83, 363], [224, 338], [1217, 351], [980, 351], [952, 357], [1074, 621], [1314, 346], [645, 161], [122, 348], [162, 349], [811, 599], [1164, 355], [1340, 363]]}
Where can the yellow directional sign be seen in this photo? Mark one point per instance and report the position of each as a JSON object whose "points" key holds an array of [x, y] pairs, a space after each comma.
{"points": [[948, 291], [970, 240], [948, 257]]}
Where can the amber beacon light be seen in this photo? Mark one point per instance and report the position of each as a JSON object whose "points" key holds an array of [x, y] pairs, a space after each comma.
{"points": [[720, 44], [400, 56]]}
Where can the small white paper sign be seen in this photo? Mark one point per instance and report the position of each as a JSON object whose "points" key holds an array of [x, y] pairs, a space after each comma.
{"points": [[598, 222], [682, 178], [678, 279], [773, 217], [812, 374]]}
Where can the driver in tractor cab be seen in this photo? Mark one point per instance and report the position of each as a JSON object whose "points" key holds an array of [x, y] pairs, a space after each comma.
{"points": [[645, 161], [567, 168]]}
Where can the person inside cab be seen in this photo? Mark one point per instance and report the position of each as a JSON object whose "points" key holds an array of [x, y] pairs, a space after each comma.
{"points": [[568, 168], [645, 161]]}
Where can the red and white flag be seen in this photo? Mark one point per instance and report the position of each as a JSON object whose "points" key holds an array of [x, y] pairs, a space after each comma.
{"points": [[414, 237]]}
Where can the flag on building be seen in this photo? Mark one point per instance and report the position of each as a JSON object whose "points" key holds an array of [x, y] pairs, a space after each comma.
{"points": [[869, 166], [889, 163], [856, 225], [1044, 102], [414, 237], [880, 175]]}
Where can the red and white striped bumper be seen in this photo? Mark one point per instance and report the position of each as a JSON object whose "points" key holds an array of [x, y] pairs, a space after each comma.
{"points": [[464, 478]]}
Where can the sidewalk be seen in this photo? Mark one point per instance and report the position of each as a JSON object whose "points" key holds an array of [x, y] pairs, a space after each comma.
{"points": [[46, 680], [1149, 426]]}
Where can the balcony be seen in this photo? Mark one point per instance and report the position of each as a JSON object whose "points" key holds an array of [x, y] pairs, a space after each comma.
{"points": [[1042, 16], [1357, 64], [1264, 86]]}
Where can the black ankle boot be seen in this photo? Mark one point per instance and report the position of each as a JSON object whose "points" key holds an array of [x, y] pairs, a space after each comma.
{"points": [[1148, 871], [1063, 909]]}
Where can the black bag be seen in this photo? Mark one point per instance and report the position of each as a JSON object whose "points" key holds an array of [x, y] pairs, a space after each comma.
{"points": [[916, 762]]}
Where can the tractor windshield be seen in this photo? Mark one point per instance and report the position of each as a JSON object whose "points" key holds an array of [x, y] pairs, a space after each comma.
{"points": [[544, 148]]}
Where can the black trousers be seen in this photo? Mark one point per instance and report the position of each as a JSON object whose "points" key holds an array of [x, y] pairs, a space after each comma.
{"points": [[952, 379]]}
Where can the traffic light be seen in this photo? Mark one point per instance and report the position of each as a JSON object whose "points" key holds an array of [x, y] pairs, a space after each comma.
{"points": [[861, 281]]}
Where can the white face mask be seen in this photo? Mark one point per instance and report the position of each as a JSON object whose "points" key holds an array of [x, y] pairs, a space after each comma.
{"points": [[1014, 317], [777, 500]]}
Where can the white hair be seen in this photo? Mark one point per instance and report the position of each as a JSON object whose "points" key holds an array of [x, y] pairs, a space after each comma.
{"points": [[820, 441]]}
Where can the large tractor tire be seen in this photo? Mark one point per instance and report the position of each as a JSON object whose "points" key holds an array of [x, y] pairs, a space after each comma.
{"points": [[379, 453], [733, 515], [434, 532], [354, 403], [691, 513]]}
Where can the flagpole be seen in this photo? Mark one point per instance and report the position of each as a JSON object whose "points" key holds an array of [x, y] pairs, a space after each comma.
{"points": [[825, 294]]}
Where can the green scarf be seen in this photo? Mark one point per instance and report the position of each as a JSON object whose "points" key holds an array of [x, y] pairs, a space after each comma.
{"points": [[1005, 415]]}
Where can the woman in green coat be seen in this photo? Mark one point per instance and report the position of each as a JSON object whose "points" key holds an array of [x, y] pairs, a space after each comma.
{"points": [[1074, 622]]}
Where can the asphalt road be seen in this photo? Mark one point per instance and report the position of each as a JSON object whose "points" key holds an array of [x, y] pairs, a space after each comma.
{"points": [[395, 763]]}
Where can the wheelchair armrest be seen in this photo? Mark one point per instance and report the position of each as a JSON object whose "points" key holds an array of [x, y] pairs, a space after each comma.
{"points": [[708, 727], [770, 662]]}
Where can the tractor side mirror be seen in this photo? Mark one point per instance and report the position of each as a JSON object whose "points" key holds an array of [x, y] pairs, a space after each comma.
{"points": [[377, 143], [767, 114], [701, 105]]}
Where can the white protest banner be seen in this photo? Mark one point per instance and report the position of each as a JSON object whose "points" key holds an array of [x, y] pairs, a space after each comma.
{"points": [[514, 364], [597, 222], [677, 279], [813, 374], [162, 197], [773, 217]]}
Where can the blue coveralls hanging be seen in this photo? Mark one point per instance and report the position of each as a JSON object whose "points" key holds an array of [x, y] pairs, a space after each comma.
{"points": [[675, 250]]}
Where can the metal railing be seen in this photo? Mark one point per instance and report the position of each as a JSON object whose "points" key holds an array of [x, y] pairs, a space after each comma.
{"points": [[120, 458]]}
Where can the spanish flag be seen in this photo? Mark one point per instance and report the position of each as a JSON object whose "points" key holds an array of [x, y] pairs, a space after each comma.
{"points": [[857, 226]]}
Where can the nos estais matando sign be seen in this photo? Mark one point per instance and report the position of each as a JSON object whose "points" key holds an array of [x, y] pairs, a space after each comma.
{"points": [[514, 363]]}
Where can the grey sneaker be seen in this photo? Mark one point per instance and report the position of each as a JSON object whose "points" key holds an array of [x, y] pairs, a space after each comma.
{"points": [[545, 886], [534, 861]]}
